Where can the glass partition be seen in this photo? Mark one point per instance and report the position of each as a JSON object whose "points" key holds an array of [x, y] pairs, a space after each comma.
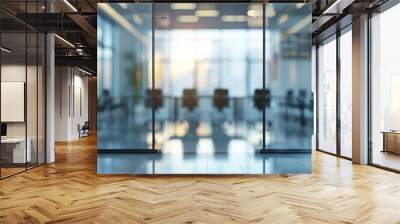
{"points": [[22, 90], [289, 112], [15, 149], [124, 63], [204, 88]]}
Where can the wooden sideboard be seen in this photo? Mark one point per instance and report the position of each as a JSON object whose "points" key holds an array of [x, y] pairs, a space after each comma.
{"points": [[391, 141]]}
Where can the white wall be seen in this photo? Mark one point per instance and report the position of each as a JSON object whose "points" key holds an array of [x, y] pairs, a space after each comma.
{"points": [[71, 102]]}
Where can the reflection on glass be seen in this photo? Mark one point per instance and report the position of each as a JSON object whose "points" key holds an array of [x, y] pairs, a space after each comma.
{"points": [[124, 58], [385, 89], [346, 94], [289, 112], [208, 95], [327, 96], [208, 73]]}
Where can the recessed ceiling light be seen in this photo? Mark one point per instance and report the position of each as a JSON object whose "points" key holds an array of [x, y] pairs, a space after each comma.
{"points": [[269, 11], [137, 19], [183, 6], [282, 19], [207, 13], [234, 18], [123, 5], [300, 5], [255, 13], [187, 19]]}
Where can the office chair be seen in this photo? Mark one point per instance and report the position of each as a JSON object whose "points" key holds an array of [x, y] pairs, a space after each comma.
{"points": [[221, 99], [289, 102], [84, 130], [154, 99], [301, 104], [262, 99], [189, 99]]}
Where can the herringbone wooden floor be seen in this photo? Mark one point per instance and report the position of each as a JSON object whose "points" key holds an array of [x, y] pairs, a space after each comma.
{"points": [[70, 191]]}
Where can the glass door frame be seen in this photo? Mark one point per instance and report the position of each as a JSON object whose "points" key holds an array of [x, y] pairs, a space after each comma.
{"points": [[338, 33], [382, 8], [41, 36]]}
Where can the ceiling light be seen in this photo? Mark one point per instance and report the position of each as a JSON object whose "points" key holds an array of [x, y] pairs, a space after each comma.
{"points": [[283, 19], [65, 41], [234, 18], [70, 5], [333, 6], [300, 5], [5, 50], [183, 6], [269, 11], [137, 19], [84, 71], [123, 5], [207, 13], [254, 13], [256, 22], [187, 19], [121, 21]]}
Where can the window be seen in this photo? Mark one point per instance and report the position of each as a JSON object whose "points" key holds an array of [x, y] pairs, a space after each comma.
{"points": [[346, 93], [385, 89], [327, 96]]}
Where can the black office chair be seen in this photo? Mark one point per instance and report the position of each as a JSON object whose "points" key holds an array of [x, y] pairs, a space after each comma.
{"points": [[84, 130], [301, 105], [262, 99], [189, 99], [221, 99], [289, 102], [154, 99]]}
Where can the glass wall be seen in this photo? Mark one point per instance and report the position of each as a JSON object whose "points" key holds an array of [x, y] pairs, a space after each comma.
{"points": [[208, 75], [217, 93], [22, 92], [385, 89], [346, 92], [124, 62], [289, 112]]}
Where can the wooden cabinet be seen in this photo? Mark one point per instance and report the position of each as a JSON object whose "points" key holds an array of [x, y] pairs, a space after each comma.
{"points": [[391, 142]]}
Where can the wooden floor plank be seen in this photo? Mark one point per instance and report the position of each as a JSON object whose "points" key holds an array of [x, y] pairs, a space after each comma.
{"points": [[70, 191]]}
